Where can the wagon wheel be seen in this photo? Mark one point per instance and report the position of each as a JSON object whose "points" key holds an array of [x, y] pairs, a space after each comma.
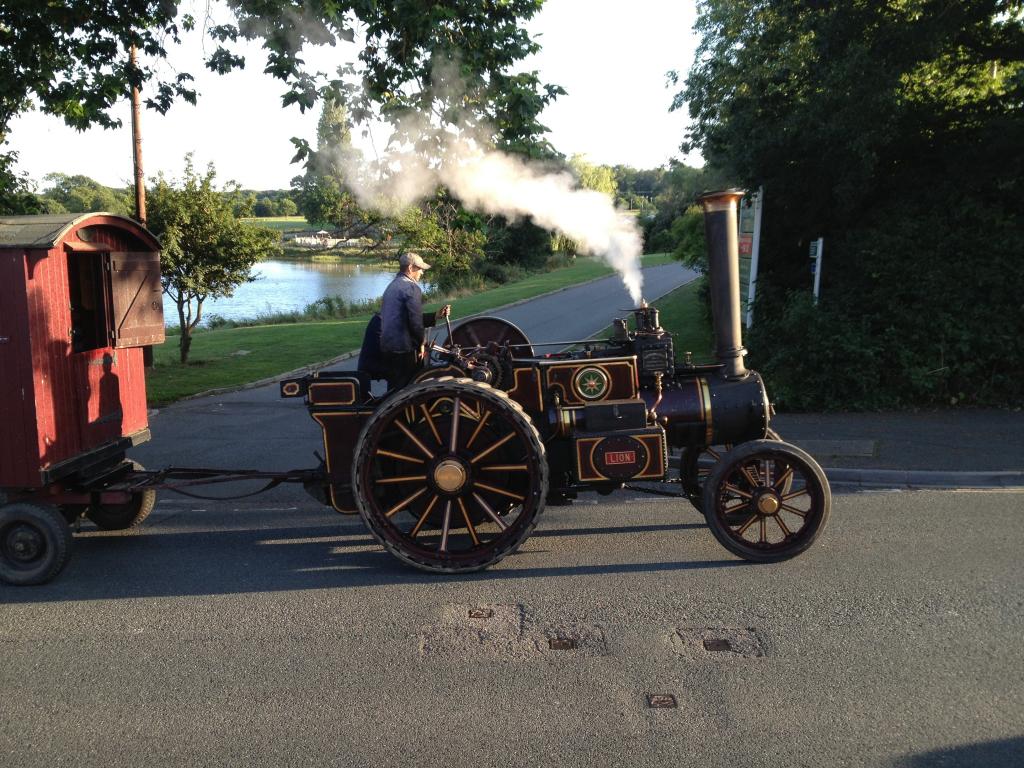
{"points": [[35, 543], [450, 475], [767, 501], [697, 463], [117, 517], [481, 330]]}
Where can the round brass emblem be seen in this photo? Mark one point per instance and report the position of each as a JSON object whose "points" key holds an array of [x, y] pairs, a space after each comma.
{"points": [[768, 504], [449, 476], [591, 383]]}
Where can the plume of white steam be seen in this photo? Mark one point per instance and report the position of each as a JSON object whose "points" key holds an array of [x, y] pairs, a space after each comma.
{"points": [[493, 182], [497, 183]]}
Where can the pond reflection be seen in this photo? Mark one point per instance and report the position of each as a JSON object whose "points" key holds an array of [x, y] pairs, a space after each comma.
{"points": [[290, 286]]}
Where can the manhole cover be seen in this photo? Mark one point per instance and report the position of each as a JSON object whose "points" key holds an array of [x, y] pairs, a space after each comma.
{"points": [[661, 701], [717, 645], [510, 631], [722, 643]]}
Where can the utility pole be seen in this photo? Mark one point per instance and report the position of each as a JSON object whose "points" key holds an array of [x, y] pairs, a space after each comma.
{"points": [[140, 184], [140, 181]]}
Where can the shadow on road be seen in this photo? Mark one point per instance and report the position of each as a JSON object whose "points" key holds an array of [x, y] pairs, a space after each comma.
{"points": [[175, 564], [991, 754]]}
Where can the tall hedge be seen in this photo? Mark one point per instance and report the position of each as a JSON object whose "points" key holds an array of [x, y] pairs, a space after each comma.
{"points": [[893, 130]]}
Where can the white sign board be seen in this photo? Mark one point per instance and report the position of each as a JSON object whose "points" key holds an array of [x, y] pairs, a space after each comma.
{"points": [[750, 246]]}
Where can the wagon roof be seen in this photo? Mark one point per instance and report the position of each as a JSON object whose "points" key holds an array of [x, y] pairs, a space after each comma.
{"points": [[46, 230]]}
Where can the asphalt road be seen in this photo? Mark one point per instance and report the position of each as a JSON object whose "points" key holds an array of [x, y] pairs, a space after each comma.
{"points": [[579, 312], [259, 635]]}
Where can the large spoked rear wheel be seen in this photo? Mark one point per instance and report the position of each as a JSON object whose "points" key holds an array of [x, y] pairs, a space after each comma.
{"points": [[450, 475], [767, 501]]}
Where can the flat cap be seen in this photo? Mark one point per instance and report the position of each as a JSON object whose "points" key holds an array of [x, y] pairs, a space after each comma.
{"points": [[412, 260]]}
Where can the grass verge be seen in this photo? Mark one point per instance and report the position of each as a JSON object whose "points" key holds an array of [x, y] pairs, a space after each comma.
{"points": [[280, 223], [234, 356], [683, 315]]}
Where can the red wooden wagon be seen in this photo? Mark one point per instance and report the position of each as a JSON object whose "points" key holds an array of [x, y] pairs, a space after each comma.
{"points": [[80, 296]]}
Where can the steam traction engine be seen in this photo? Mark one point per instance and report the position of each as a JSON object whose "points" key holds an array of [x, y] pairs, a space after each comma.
{"points": [[451, 473]]}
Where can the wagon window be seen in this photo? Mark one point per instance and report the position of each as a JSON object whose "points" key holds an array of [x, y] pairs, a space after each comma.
{"points": [[87, 289]]}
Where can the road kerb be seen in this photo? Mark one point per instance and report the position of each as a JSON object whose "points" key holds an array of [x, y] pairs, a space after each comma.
{"points": [[913, 478], [918, 478]]}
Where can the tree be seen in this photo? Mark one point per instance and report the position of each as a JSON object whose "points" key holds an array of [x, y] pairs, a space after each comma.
{"points": [[635, 188], [71, 58], [599, 178], [674, 190], [688, 233], [207, 252], [320, 192], [891, 129], [81, 194], [243, 204], [451, 239], [520, 243], [263, 208], [16, 197], [286, 207]]}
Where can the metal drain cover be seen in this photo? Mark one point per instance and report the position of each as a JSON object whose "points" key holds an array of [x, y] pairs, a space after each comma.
{"points": [[719, 643], [661, 701]]}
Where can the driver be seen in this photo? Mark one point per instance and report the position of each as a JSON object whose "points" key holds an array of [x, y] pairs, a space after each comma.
{"points": [[402, 334]]}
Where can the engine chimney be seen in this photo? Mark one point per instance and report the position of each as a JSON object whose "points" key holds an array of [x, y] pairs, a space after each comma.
{"points": [[720, 220]]}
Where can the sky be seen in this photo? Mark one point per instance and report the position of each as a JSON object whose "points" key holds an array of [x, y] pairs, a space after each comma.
{"points": [[611, 57]]}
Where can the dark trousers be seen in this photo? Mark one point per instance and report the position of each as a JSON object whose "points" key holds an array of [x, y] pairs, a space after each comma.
{"points": [[399, 368]]}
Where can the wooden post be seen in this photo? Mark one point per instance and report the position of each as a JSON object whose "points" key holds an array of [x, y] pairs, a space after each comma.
{"points": [[140, 183]]}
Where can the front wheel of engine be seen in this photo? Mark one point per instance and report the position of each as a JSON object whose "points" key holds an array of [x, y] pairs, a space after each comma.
{"points": [[767, 501], [450, 475], [696, 464]]}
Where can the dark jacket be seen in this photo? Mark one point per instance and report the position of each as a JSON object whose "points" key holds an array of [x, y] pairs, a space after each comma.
{"points": [[370, 359], [401, 316]]}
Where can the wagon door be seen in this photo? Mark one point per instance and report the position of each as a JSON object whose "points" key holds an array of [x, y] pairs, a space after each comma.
{"points": [[136, 300], [94, 402], [116, 304]]}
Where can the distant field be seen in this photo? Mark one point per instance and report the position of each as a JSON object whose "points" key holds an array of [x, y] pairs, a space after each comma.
{"points": [[280, 223]]}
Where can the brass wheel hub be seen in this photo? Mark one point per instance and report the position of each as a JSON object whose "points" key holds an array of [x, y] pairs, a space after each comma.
{"points": [[449, 475], [768, 504]]}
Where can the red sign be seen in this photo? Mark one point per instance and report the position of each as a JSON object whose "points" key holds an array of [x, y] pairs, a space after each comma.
{"points": [[746, 245], [620, 457]]}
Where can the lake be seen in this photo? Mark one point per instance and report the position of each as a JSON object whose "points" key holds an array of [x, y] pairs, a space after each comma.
{"points": [[286, 286]]}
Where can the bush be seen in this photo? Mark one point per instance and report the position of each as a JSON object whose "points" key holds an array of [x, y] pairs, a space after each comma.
{"points": [[813, 357], [920, 305], [688, 233], [521, 243], [500, 273]]}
